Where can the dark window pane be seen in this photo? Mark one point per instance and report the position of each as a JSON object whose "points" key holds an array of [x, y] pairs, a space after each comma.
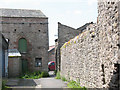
{"points": [[38, 62]]}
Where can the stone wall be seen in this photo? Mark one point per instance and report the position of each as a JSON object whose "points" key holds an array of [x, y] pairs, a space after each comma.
{"points": [[108, 39], [65, 33], [91, 58]]}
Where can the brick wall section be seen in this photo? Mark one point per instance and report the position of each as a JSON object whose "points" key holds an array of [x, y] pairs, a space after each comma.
{"points": [[91, 57], [51, 55]]}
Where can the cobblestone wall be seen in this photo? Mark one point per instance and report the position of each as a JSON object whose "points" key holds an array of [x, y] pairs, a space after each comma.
{"points": [[91, 58], [108, 39]]}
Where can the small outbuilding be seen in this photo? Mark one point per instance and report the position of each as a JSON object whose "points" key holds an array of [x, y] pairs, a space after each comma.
{"points": [[14, 63]]}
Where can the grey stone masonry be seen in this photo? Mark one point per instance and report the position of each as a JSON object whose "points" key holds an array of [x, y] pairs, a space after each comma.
{"points": [[92, 57], [65, 33]]}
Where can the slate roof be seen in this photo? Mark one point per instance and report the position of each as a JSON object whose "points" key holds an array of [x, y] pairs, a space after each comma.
{"points": [[84, 26], [51, 47], [20, 13]]}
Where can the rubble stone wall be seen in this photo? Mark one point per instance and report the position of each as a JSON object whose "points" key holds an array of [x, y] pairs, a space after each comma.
{"points": [[91, 58], [65, 33]]}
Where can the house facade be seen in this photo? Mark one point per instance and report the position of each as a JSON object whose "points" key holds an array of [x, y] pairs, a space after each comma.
{"points": [[27, 31]]}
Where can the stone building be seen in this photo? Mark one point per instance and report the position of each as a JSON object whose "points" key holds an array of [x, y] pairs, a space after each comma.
{"points": [[65, 33], [93, 57], [51, 53], [27, 31]]}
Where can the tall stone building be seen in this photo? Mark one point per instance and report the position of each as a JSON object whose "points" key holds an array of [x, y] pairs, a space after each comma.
{"points": [[27, 31]]}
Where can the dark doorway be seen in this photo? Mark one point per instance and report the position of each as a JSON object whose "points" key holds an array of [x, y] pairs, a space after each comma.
{"points": [[24, 66]]}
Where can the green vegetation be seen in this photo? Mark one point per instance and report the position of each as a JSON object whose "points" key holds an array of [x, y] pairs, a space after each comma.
{"points": [[64, 79], [73, 84], [44, 74], [58, 76], [34, 75], [3, 85], [55, 72]]}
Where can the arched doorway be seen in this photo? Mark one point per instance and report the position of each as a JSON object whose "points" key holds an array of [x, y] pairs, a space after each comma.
{"points": [[22, 47]]}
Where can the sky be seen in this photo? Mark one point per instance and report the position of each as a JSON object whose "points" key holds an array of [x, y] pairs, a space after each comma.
{"points": [[73, 13]]}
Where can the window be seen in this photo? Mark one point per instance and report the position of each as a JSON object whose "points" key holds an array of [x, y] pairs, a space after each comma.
{"points": [[53, 64], [22, 45], [38, 62]]}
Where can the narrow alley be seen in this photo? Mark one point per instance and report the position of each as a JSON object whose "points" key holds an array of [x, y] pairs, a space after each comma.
{"points": [[49, 82]]}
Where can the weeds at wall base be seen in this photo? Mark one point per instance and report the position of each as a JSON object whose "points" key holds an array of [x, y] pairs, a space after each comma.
{"points": [[58, 75], [64, 79], [4, 87], [34, 75], [71, 84]]}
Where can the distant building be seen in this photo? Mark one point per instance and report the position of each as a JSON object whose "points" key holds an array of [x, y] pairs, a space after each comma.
{"points": [[51, 53], [27, 31]]}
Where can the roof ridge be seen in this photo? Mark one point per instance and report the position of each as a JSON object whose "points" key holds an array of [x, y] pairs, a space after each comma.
{"points": [[7, 12]]}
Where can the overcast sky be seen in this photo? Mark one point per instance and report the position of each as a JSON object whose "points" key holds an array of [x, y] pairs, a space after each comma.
{"points": [[73, 13]]}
